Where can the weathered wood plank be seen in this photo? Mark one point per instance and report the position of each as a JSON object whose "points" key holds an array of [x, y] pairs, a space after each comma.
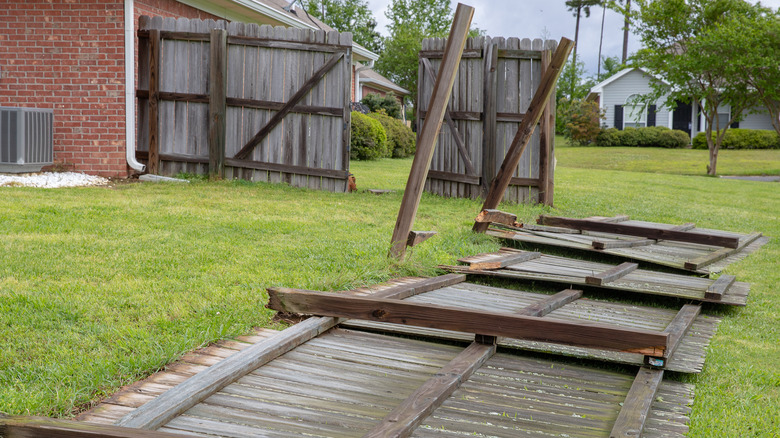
{"points": [[276, 118], [456, 177], [611, 274], [716, 290], [634, 230], [633, 243], [504, 261], [707, 259], [496, 216], [679, 326], [464, 153], [417, 237], [38, 427], [153, 163], [430, 129], [407, 290], [639, 400], [217, 105], [500, 183], [450, 318], [402, 421], [547, 305]]}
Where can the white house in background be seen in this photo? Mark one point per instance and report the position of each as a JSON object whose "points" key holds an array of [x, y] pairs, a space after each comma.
{"points": [[615, 95]]}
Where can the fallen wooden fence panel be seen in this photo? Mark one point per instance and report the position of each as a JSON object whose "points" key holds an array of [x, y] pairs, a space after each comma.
{"points": [[688, 357], [696, 257], [569, 271], [348, 383]]}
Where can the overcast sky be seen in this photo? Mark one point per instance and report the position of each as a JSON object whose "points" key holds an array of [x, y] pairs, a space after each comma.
{"points": [[530, 18]]}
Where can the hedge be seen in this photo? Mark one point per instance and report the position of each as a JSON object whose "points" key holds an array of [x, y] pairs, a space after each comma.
{"points": [[651, 136], [368, 140], [400, 138], [742, 139]]}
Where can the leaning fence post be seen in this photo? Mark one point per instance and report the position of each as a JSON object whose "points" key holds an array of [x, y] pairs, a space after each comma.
{"points": [[217, 102], [430, 130]]}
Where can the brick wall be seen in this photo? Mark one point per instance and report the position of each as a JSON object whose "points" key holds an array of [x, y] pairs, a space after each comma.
{"points": [[69, 55]]}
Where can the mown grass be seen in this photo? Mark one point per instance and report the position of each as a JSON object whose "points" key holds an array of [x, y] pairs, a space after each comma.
{"points": [[660, 160], [99, 287]]}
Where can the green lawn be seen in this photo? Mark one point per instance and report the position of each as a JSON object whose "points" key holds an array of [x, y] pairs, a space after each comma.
{"points": [[660, 160], [99, 287]]}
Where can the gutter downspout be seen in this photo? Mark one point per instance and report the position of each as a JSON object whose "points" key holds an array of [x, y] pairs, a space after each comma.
{"points": [[358, 91], [130, 87]]}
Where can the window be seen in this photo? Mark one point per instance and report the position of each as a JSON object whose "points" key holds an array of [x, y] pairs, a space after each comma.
{"points": [[635, 114], [724, 115]]}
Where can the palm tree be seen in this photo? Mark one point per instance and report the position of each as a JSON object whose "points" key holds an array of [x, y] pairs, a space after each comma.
{"points": [[578, 7]]}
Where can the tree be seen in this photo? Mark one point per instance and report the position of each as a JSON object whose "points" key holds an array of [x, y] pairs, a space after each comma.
{"points": [[577, 7], [348, 16], [757, 41], [687, 43], [573, 84], [610, 65], [410, 22]]}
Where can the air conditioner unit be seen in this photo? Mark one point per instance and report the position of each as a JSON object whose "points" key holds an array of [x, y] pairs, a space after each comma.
{"points": [[26, 139]]}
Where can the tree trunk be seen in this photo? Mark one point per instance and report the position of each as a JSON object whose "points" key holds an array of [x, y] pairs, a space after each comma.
{"points": [[626, 24], [713, 166], [574, 55], [601, 41]]}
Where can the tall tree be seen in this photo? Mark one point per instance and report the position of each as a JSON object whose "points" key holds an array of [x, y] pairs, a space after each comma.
{"points": [[623, 7], [687, 43], [578, 7], [348, 16], [611, 65], [410, 22]]}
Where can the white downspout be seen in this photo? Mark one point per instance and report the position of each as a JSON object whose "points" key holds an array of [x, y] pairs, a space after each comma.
{"points": [[358, 90], [130, 87]]}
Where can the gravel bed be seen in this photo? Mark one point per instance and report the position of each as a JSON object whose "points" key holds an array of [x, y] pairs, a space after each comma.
{"points": [[51, 180]]}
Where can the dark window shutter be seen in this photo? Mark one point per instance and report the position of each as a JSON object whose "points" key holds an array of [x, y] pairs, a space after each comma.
{"points": [[651, 115], [619, 117], [735, 125]]}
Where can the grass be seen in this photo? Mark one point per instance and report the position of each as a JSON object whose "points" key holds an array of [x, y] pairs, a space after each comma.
{"points": [[99, 287], [660, 160]]}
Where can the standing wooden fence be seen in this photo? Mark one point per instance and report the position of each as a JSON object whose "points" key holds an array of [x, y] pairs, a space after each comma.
{"points": [[496, 81], [244, 101]]}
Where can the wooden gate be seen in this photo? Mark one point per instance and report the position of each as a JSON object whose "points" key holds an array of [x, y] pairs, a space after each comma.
{"points": [[240, 100], [496, 81]]}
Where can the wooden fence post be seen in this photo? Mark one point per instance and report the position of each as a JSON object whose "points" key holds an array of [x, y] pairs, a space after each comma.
{"points": [[440, 97], [217, 102], [525, 130], [489, 119], [546, 139], [153, 160]]}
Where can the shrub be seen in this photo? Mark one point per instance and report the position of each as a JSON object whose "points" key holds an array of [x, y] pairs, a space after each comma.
{"points": [[582, 120], [388, 104], [742, 139], [608, 137], [400, 139], [651, 136], [368, 140]]}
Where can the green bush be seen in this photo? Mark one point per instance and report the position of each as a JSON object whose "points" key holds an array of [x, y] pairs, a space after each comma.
{"points": [[651, 136], [400, 139], [389, 104], [368, 140], [742, 139], [582, 120]]}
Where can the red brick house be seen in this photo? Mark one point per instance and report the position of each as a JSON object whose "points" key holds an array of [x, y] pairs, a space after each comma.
{"points": [[76, 56]]}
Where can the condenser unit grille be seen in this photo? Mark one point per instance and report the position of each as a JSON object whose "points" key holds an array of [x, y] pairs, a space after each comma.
{"points": [[26, 139]]}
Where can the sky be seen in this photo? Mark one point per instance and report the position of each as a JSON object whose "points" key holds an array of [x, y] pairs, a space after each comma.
{"points": [[531, 18]]}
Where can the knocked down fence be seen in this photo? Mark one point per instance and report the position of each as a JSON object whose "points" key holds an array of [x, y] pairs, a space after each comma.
{"points": [[244, 101], [497, 79]]}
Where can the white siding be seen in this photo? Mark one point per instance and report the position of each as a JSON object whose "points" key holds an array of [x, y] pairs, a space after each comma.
{"points": [[759, 120], [617, 92]]}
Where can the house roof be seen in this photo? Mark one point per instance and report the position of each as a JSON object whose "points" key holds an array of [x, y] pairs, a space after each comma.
{"points": [[272, 12], [373, 78], [598, 88]]}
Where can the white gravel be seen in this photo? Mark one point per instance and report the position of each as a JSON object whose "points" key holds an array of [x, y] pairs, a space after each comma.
{"points": [[51, 180]]}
